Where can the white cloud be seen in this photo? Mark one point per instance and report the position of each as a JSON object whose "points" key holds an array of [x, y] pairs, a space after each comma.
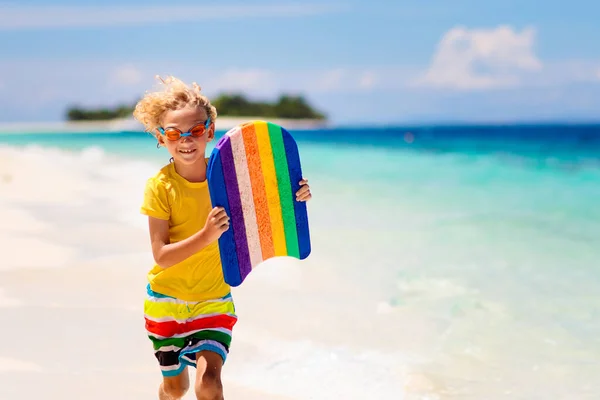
{"points": [[109, 81], [126, 74], [59, 83], [329, 79], [564, 73], [240, 79], [313, 80], [354, 80], [482, 59], [37, 17], [42, 89], [368, 80]]}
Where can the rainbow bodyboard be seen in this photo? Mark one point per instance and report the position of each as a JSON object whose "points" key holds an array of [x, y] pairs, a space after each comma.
{"points": [[253, 173]]}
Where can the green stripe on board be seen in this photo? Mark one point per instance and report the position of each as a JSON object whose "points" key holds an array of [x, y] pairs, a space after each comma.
{"points": [[285, 190], [202, 335]]}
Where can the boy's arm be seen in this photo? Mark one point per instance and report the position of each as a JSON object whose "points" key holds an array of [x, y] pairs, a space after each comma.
{"points": [[167, 254]]}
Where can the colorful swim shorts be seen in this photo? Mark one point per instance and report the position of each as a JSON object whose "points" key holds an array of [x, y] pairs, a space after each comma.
{"points": [[180, 329]]}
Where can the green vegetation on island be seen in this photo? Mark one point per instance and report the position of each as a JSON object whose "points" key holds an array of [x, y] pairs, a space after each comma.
{"points": [[99, 114], [228, 105]]}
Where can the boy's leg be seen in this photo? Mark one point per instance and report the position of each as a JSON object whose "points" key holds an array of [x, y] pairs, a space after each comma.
{"points": [[174, 387], [208, 376]]}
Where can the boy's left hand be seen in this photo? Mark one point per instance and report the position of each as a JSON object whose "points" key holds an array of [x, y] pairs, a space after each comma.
{"points": [[303, 194]]}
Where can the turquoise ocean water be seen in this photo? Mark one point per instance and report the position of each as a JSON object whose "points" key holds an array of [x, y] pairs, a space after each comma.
{"points": [[473, 251]]}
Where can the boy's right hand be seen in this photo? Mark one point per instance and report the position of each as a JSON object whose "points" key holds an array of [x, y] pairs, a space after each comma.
{"points": [[217, 222]]}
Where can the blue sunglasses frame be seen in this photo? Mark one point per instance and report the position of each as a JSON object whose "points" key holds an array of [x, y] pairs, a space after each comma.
{"points": [[185, 134]]}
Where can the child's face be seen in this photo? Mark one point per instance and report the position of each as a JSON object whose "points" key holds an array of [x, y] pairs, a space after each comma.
{"points": [[188, 149]]}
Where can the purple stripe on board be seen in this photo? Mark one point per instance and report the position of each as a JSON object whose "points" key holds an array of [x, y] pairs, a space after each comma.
{"points": [[235, 207]]}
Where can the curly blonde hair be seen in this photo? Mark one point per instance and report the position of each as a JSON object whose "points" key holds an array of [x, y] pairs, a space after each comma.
{"points": [[175, 96]]}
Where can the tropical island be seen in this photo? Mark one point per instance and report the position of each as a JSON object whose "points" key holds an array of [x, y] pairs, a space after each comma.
{"points": [[228, 105]]}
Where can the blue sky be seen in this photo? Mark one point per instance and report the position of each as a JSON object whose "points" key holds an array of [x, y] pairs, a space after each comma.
{"points": [[359, 61]]}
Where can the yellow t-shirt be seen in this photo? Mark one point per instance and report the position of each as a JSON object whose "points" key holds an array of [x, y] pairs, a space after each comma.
{"points": [[185, 205]]}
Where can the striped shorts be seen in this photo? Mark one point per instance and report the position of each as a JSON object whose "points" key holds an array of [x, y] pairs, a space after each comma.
{"points": [[179, 329]]}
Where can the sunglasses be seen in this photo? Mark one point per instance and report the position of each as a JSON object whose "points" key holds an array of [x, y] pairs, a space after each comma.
{"points": [[196, 131]]}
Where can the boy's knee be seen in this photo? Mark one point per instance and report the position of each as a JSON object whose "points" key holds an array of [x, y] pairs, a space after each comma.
{"points": [[175, 389], [209, 386]]}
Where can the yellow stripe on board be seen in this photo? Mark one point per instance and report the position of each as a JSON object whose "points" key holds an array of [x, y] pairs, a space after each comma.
{"points": [[268, 169]]}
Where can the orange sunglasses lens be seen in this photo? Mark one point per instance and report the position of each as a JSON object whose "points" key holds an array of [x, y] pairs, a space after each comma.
{"points": [[172, 134], [175, 134], [198, 130]]}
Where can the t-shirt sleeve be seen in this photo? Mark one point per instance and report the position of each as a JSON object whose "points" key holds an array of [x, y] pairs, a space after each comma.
{"points": [[156, 202]]}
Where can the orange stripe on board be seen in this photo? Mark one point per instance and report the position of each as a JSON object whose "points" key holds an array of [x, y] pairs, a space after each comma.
{"points": [[268, 169], [258, 191]]}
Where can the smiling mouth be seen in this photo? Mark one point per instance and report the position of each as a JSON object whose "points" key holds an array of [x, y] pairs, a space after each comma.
{"points": [[187, 151]]}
